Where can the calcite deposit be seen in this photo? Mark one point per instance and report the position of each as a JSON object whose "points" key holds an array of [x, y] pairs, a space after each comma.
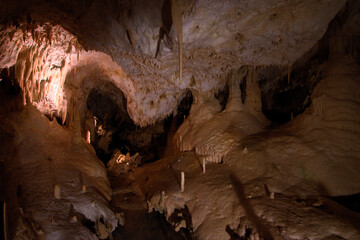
{"points": [[180, 119]]}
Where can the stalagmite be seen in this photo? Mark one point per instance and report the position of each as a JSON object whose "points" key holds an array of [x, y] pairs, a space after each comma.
{"points": [[182, 181], [272, 195], [203, 165], [245, 150], [57, 193], [88, 137], [234, 102], [238, 60]]}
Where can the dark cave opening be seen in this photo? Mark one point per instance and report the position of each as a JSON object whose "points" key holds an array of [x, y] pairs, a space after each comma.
{"points": [[287, 105], [286, 91], [116, 132], [10, 91], [152, 225], [183, 109], [222, 96], [351, 202]]}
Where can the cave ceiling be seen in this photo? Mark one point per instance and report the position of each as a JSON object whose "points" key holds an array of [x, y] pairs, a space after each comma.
{"points": [[56, 46]]}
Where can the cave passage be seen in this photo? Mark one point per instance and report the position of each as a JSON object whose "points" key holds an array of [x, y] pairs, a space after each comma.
{"points": [[115, 131], [153, 225]]}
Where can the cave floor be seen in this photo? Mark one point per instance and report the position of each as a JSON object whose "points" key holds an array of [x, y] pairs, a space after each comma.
{"points": [[220, 203], [139, 223]]}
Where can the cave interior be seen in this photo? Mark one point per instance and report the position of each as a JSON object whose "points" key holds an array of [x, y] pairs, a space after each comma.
{"points": [[180, 119]]}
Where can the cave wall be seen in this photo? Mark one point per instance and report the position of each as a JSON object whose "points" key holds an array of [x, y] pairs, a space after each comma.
{"points": [[59, 53], [277, 182]]}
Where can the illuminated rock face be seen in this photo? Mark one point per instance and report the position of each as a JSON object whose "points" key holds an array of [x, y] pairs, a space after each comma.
{"points": [[55, 179], [217, 38], [65, 56], [40, 56], [212, 133]]}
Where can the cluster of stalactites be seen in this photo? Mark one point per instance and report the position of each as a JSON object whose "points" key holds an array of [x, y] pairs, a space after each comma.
{"points": [[41, 56], [218, 132]]}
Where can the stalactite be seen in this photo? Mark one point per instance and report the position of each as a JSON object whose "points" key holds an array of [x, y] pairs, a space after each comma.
{"points": [[177, 20], [204, 165], [182, 181], [63, 116], [57, 192]]}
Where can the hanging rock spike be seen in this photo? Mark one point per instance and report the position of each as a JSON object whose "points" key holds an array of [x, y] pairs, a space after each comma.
{"points": [[177, 20]]}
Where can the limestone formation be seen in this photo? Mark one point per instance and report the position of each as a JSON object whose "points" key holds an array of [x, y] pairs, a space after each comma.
{"points": [[182, 181], [176, 13], [57, 191], [258, 102]]}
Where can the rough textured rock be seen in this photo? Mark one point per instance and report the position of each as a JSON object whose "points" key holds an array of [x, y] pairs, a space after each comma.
{"points": [[275, 182], [218, 37], [45, 176], [278, 188]]}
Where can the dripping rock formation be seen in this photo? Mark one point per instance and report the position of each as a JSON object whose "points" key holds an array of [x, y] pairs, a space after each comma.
{"points": [[180, 119]]}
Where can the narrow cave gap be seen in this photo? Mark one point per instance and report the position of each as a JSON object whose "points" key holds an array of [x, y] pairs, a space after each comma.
{"points": [[243, 89], [222, 96], [10, 91], [183, 109]]}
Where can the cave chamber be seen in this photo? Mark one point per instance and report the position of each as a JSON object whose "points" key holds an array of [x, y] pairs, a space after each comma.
{"points": [[180, 119]]}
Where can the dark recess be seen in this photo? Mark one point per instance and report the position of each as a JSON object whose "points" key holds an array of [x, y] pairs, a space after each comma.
{"points": [[184, 107], [10, 92], [282, 97], [351, 202], [150, 226], [223, 96], [111, 113]]}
